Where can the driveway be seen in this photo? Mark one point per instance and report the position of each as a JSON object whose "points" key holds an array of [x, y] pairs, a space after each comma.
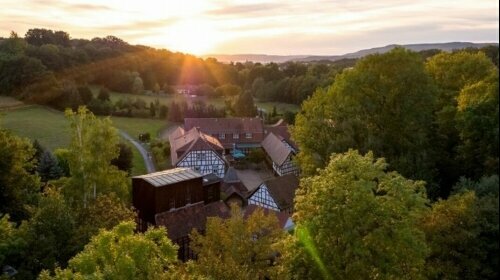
{"points": [[150, 167]]}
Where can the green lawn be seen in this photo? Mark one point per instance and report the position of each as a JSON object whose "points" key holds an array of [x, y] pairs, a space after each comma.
{"points": [[48, 126], [136, 126], [52, 130]]}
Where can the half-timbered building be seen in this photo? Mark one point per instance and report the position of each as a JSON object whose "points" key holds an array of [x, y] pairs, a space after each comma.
{"points": [[197, 150], [281, 154], [276, 194]]}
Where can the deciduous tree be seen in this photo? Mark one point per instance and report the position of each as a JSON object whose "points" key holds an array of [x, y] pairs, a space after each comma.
{"points": [[239, 248], [354, 220], [122, 254]]}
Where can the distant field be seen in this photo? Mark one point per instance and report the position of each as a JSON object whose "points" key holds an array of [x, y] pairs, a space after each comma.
{"points": [[52, 130], [217, 102], [136, 126]]}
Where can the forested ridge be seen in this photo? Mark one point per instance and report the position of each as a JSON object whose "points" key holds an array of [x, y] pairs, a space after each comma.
{"points": [[399, 154]]}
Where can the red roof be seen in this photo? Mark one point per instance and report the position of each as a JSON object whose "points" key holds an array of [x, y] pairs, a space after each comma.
{"points": [[182, 142], [181, 221], [225, 125], [276, 149]]}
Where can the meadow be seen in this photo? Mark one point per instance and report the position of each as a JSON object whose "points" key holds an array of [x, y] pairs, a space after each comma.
{"points": [[52, 129]]}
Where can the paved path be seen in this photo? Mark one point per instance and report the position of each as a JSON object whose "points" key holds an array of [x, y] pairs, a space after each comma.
{"points": [[150, 167]]}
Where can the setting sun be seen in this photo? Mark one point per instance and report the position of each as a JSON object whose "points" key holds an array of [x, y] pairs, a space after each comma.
{"points": [[191, 36]]}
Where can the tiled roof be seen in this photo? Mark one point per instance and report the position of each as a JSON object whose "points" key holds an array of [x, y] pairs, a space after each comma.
{"points": [[182, 142], [181, 221], [281, 216], [225, 125], [282, 190], [276, 149], [231, 176], [280, 129], [170, 176]]}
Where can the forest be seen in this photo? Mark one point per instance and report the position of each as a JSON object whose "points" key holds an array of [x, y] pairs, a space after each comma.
{"points": [[399, 155]]}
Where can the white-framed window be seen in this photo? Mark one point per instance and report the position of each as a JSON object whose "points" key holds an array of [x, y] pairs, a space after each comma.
{"points": [[236, 136], [248, 135], [222, 136]]}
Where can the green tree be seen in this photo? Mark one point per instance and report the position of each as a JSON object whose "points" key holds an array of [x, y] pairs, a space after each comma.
{"points": [[354, 220], [163, 111], [477, 124], [19, 188], [85, 94], [48, 168], [122, 254], [103, 94], [124, 159], [462, 232], [94, 144], [384, 104], [105, 212], [239, 248], [152, 109], [244, 105], [48, 234], [11, 241], [467, 107]]}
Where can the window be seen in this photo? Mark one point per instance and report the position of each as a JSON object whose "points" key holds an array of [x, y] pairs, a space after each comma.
{"points": [[215, 169], [200, 156], [248, 135], [236, 136], [222, 136]]}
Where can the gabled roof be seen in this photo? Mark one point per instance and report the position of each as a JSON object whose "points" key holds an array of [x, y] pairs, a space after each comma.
{"points": [[181, 221], [282, 190], [231, 176], [225, 125], [276, 149], [280, 129], [170, 176], [182, 142], [282, 217]]}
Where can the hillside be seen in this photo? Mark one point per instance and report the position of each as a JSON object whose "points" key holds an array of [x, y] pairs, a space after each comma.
{"points": [[308, 58]]}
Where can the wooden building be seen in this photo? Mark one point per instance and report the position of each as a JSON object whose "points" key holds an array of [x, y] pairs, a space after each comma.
{"points": [[276, 194], [281, 153], [197, 150], [171, 189]]}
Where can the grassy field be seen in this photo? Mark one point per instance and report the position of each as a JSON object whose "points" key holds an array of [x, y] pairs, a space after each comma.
{"points": [[136, 126], [52, 130], [48, 126], [217, 102]]}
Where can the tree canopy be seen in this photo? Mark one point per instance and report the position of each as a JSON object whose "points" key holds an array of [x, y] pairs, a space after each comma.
{"points": [[355, 220]]}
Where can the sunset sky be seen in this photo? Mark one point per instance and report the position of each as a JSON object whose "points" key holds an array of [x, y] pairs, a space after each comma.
{"points": [[260, 27]]}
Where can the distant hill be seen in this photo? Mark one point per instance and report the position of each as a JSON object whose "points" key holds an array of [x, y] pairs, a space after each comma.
{"points": [[308, 58], [262, 58]]}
